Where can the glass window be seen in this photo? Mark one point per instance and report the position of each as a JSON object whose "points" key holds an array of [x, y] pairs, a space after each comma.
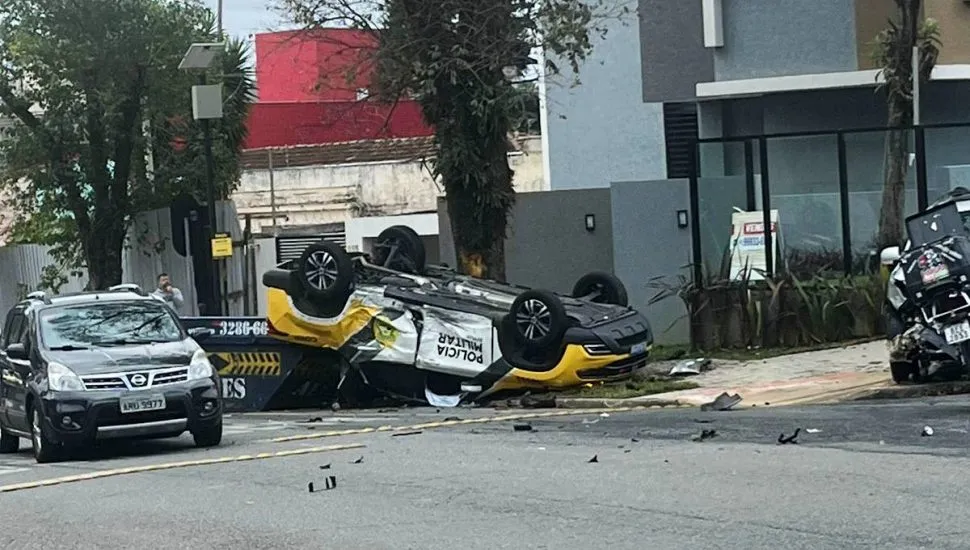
{"points": [[14, 330], [109, 323]]}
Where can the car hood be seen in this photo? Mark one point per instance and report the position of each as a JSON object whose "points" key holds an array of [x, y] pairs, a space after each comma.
{"points": [[125, 358]]}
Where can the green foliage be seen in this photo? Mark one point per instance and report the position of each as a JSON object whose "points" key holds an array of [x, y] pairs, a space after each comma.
{"points": [[892, 53], [783, 311], [460, 59], [81, 79]]}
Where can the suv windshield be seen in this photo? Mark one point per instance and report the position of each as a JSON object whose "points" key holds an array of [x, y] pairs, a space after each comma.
{"points": [[108, 323]]}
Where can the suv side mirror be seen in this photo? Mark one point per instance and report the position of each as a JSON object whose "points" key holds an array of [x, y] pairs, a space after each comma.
{"points": [[889, 255], [17, 351], [201, 333]]}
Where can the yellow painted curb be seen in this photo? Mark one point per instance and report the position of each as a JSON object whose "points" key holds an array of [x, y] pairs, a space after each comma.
{"points": [[172, 465], [448, 423]]}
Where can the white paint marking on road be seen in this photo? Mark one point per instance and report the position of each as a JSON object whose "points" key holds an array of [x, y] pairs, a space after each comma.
{"points": [[172, 465]]}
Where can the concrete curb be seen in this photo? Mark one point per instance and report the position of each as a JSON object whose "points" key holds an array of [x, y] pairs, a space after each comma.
{"points": [[936, 389]]}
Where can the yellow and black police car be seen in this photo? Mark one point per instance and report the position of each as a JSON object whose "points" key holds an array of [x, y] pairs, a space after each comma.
{"points": [[410, 328]]}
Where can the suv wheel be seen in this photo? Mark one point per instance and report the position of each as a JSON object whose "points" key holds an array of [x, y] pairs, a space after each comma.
{"points": [[44, 449], [9, 443], [208, 437]]}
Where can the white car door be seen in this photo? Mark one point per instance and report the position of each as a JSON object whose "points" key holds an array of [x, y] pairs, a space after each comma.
{"points": [[455, 343]]}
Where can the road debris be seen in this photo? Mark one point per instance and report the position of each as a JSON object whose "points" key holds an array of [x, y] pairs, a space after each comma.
{"points": [[782, 440], [690, 367], [705, 435], [543, 401], [313, 420], [522, 427], [594, 459], [452, 419], [588, 421], [401, 434], [604, 415], [634, 440], [813, 430], [927, 431], [626, 451], [358, 461], [329, 483], [703, 420], [325, 466], [723, 402]]}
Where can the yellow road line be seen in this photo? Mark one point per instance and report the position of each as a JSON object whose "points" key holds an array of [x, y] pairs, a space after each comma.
{"points": [[481, 420], [172, 465]]}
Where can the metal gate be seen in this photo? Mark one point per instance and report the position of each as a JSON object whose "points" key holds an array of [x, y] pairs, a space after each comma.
{"points": [[289, 247]]}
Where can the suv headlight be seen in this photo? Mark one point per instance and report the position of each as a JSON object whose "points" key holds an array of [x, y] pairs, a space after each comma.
{"points": [[200, 367], [61, 378]]}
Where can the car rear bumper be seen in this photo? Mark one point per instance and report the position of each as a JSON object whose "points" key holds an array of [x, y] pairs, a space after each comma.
{"points": [[85, 417]]}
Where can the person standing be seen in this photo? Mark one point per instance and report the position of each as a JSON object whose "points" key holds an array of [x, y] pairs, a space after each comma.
{"points": [[168, 293]]}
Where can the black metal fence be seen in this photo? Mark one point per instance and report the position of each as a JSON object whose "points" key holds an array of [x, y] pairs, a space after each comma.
{"points": [[826, 187]]}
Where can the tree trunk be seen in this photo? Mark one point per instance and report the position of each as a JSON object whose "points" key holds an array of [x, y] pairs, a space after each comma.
{"points": [[894, 191], [478, 206], [102, 254]]}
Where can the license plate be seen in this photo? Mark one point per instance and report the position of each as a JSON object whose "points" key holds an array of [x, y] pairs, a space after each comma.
{"points": [[957, 333], [639, 349], [934, 274], [155, 402]]}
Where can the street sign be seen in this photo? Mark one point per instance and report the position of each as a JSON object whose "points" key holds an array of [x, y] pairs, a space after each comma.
{"points": [[222, 246]]}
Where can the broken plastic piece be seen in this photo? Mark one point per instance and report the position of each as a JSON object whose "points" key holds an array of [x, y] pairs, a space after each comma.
{"points": [[359, 460], [416, 432], [782, 440], [325, 467], [722, 403], [522, 427], [594, 459], [706, 434], [927, 431], [691, 367]]}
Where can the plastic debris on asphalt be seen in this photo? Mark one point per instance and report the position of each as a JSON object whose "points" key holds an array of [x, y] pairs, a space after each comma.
{"points": [[705, 435], [522, 427], [604, 415], [812, 430], [782, 440], [927, 431], [723, 402], [325, 467], [358, 461], [400, 434], [691, 367], [594, 459], [544, 401], [329, 483]]}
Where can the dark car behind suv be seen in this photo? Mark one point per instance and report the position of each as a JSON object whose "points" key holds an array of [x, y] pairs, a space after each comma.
{"points": [[78, 368]]}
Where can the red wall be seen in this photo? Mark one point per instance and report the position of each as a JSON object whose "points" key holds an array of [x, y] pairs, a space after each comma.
{"points": [[313, 66], [280, 124], [305, 96]]}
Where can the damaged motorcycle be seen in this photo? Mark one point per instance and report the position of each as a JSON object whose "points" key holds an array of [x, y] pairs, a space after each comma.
{"points": [[928, 293]]}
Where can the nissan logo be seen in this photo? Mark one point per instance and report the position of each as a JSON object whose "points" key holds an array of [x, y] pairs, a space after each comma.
{"points": [[139, 380]]}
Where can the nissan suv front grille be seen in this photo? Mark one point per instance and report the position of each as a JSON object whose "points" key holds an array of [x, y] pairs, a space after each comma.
{"points": [[136, 380]]}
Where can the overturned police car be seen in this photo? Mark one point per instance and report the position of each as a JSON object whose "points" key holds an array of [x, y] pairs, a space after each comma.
{"points": [[928, 294], [430, 334]]}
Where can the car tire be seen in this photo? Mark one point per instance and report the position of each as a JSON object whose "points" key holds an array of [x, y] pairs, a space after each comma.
{"points": [[610, 287], [45, 450], [539, 319], [9, 443], [903, 372], [411, 256], [208, 437], [326, 272]]}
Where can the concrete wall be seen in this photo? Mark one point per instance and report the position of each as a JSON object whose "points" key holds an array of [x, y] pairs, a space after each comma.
{"points": [[786, 37], [601, 130], [312, 195], [647, 244], [954, 19], [672, 67], [547, 244]]}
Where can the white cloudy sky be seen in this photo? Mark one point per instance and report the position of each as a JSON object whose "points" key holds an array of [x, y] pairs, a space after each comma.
{"points": [[245, 17]]}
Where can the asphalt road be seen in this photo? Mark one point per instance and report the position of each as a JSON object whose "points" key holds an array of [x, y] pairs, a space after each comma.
{"points": [[864, 477]]}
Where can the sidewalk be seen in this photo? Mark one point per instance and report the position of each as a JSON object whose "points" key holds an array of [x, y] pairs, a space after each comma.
{"points": [[810, 377]]}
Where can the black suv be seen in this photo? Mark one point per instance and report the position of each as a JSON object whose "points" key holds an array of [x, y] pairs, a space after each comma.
{"points": [[78, 368]]}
